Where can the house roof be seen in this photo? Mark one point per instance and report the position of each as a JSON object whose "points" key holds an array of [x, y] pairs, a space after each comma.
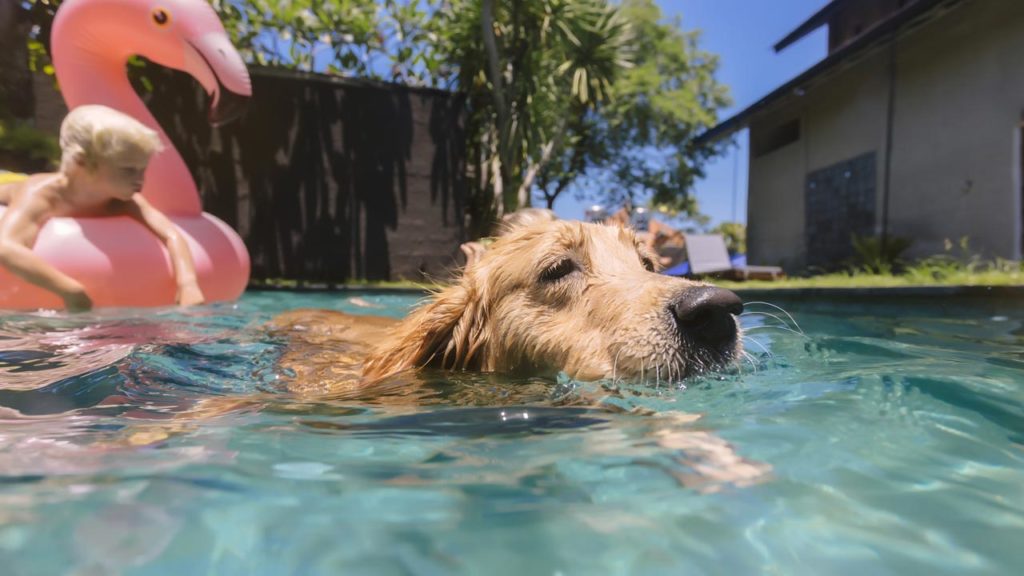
{"points": [[910, 15], [819, 19]]}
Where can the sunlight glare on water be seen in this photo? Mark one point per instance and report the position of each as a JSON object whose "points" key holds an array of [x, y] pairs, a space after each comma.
{"points": [[857, 437]]}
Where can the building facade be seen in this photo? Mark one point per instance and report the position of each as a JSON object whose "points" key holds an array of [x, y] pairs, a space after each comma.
{"points": [[911, 127]]}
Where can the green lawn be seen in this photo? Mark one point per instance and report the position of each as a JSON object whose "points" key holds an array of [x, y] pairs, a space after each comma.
{"points": [[840, 280], [912, 278], [942, 270]]}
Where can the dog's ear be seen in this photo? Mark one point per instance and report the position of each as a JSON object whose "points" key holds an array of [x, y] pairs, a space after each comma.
{"points": [[447, 332]]}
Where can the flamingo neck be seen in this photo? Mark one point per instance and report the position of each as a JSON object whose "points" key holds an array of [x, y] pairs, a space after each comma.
{"points": [[90, 76], [95, 80]]}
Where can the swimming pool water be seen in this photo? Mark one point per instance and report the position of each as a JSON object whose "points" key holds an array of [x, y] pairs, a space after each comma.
{"points": [[886, 438]]}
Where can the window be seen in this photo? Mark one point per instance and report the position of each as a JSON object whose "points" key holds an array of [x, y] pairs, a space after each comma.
{"points": [[839, 203]]}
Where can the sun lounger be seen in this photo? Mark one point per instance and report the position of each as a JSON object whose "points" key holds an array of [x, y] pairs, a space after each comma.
{"points": [[707, 254]]}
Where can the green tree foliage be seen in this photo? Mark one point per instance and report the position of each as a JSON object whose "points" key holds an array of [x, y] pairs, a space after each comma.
{"points": [[639, 147], [581, 95], [384, 40], [530, 69], [735, 235], [39, 13], [22, 147], [600, 97]]}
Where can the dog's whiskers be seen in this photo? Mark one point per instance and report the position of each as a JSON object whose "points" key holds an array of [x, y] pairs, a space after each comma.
{"points": [[783, 328], [615, 366], [679, 365], [762, 346], [780, 309], [704, 361], [746, 356], [763, 319], [778, 318]]}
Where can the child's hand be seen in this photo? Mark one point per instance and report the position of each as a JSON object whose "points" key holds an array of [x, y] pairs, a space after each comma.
{"points": [[190, 295], [76, 300]]}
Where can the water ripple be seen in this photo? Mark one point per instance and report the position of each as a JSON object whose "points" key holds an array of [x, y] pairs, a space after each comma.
{"points": [[879, 438]]}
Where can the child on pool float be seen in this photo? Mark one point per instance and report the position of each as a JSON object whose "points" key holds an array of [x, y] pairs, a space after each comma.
{"points": [[104, 154]]}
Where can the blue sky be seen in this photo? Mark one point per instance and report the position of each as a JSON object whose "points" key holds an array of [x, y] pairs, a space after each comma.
{"points": [[742, 33]]}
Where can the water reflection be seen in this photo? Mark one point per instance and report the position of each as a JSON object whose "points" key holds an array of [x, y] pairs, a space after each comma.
{"points": [[30, 360], [890, 436]]}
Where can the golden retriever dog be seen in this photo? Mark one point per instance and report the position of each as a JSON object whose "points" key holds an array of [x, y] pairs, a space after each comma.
{"points": [[547, 297]]}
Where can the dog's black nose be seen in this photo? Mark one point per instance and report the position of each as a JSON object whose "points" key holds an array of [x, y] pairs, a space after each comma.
{"points": [[705, 313]]}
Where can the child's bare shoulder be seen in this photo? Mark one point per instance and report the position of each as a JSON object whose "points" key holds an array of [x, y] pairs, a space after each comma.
{"points": [[38, 190]]}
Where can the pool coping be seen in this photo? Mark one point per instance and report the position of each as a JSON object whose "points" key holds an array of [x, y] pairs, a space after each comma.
{"points": [[317, 287], [747, 293]]}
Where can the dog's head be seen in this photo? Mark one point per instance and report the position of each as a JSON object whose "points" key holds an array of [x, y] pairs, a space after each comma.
{"points": [[564, 295]]}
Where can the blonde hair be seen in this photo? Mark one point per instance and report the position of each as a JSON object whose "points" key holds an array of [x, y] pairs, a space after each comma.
{"points": [[92, 135]]}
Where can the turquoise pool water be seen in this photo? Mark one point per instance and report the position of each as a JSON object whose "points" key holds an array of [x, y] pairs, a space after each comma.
{"points": [[887, 438]]}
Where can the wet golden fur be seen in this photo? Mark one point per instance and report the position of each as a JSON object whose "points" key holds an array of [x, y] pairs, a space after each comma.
{"points": [[554, 296], [521, 310]]}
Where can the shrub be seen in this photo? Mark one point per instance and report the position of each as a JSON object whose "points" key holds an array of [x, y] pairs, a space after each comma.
{"points": [[874, 256], [28, 145]]}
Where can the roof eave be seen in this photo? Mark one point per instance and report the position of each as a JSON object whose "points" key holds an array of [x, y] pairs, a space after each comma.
{"points": [[819, 19], [880, 33]]}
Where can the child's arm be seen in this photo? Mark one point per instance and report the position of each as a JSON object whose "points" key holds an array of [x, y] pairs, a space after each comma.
{"points": [[181, 258], [19, 228]]}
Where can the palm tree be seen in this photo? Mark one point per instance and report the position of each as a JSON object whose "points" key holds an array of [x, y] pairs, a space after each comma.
{"points": [[532, 70]]}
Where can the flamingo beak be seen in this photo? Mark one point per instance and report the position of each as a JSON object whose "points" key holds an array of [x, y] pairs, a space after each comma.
{"points": [[227, 106], [213, 61]]}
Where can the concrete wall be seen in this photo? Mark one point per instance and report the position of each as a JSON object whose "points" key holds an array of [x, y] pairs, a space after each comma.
{"points": [[775, 221], [959, 97], [839, 120], [958, 110]]}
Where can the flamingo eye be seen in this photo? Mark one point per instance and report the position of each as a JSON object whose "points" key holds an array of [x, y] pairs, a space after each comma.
{"points": [[161, 17]]}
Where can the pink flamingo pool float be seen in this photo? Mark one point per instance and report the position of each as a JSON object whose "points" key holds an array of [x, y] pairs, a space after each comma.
{"points": [[119, 262]]}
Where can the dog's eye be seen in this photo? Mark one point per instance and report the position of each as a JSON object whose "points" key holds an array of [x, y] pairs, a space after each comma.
{"points": [[648, 263], [557, 271]]}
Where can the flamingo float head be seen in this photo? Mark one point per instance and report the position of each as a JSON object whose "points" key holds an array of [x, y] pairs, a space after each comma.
{"points": [[92, 41], [185, 35]]}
